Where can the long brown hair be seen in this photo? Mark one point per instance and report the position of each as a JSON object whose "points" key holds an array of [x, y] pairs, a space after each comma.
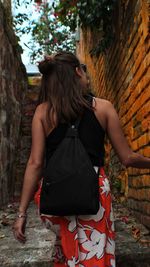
{"points": [[61, 88]]}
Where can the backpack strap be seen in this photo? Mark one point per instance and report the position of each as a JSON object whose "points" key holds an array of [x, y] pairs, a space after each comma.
{"points": [[77, 122], [89, 97]]}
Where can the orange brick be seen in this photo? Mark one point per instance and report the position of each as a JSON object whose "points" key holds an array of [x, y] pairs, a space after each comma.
{"points": [[134, 108], [129, 140], [143, 194], [137, 132], [143, 140], [132, 98], [145, 96], [145, 111], [123, 121], [146, 180], [143, 67], [139, 60], [137, 182], [127, 93], [123, 109], [139, 116], [146, 61], [130, 171], [130, 192], [144, 171], [146, 151], [140, 181], [130, 129], [134, 145], [146, 124], [136, 172], [145, 80]]}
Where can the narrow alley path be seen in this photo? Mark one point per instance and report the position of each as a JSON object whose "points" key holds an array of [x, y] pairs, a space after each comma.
{"points": [[130, 251]]}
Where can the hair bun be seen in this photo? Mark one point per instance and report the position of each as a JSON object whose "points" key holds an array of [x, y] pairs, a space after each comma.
{"points": [[46, 65]]}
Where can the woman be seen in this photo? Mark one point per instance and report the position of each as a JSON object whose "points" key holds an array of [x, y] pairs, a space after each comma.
{"points": [[81, 240]]}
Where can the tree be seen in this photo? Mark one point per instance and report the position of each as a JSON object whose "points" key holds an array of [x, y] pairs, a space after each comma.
{"points": [[94, 14], [48, 34], [56, 22]]}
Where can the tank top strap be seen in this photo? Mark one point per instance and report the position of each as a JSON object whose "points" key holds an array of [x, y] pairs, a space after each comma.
{"points": [[89, 98]]}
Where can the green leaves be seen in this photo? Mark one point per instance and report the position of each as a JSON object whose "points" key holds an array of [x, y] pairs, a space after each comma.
{"points": [[96, 14], [56, 23], [48, 34]]}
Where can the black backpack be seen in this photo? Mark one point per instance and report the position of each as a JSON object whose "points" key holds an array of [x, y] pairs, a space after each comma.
{"points": [[70, 183]]}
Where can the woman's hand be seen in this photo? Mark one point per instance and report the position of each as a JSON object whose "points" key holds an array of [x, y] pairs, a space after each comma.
{"points": [[19, 229]]}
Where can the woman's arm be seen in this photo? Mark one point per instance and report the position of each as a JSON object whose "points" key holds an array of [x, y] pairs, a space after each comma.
{"points": [[118, 140], [32, 173]]}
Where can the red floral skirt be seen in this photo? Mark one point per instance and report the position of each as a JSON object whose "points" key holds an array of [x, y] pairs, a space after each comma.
{"points": [[87, 240]]}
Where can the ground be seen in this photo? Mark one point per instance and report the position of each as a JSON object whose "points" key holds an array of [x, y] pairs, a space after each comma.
{"points": [[132, 240]]}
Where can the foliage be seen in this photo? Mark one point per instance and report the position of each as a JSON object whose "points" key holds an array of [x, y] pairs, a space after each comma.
{"points": [[54, 29], [96, 14], [48, 35], [67, 13]]}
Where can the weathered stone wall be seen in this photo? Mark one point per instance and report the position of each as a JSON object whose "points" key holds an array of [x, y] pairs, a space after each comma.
{"points": [[13, 84], [122, 76], [29, 104]]}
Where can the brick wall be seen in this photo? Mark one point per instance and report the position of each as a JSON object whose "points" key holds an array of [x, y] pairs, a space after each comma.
{"points": [[122, 76], [11, 94]]}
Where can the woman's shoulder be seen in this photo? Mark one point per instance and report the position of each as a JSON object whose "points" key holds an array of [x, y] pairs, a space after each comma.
{"points": [[102, 101], [102, 109], [41, 109], [41, 112], [102, 105]]}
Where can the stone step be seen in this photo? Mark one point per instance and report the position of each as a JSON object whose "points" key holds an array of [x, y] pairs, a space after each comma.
{"points": [[129, 252], [37, 251]]}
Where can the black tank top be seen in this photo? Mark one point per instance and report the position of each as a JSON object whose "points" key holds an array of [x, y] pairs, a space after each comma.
{"points": [[91, 134]]}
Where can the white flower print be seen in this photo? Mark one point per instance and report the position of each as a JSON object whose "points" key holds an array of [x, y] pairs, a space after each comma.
{"points": [[73, 262], [81, 236], [72, 224], [110, 246], [97, 217], [82, 256], [106, 186], [95, 246], [113, 263]]}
